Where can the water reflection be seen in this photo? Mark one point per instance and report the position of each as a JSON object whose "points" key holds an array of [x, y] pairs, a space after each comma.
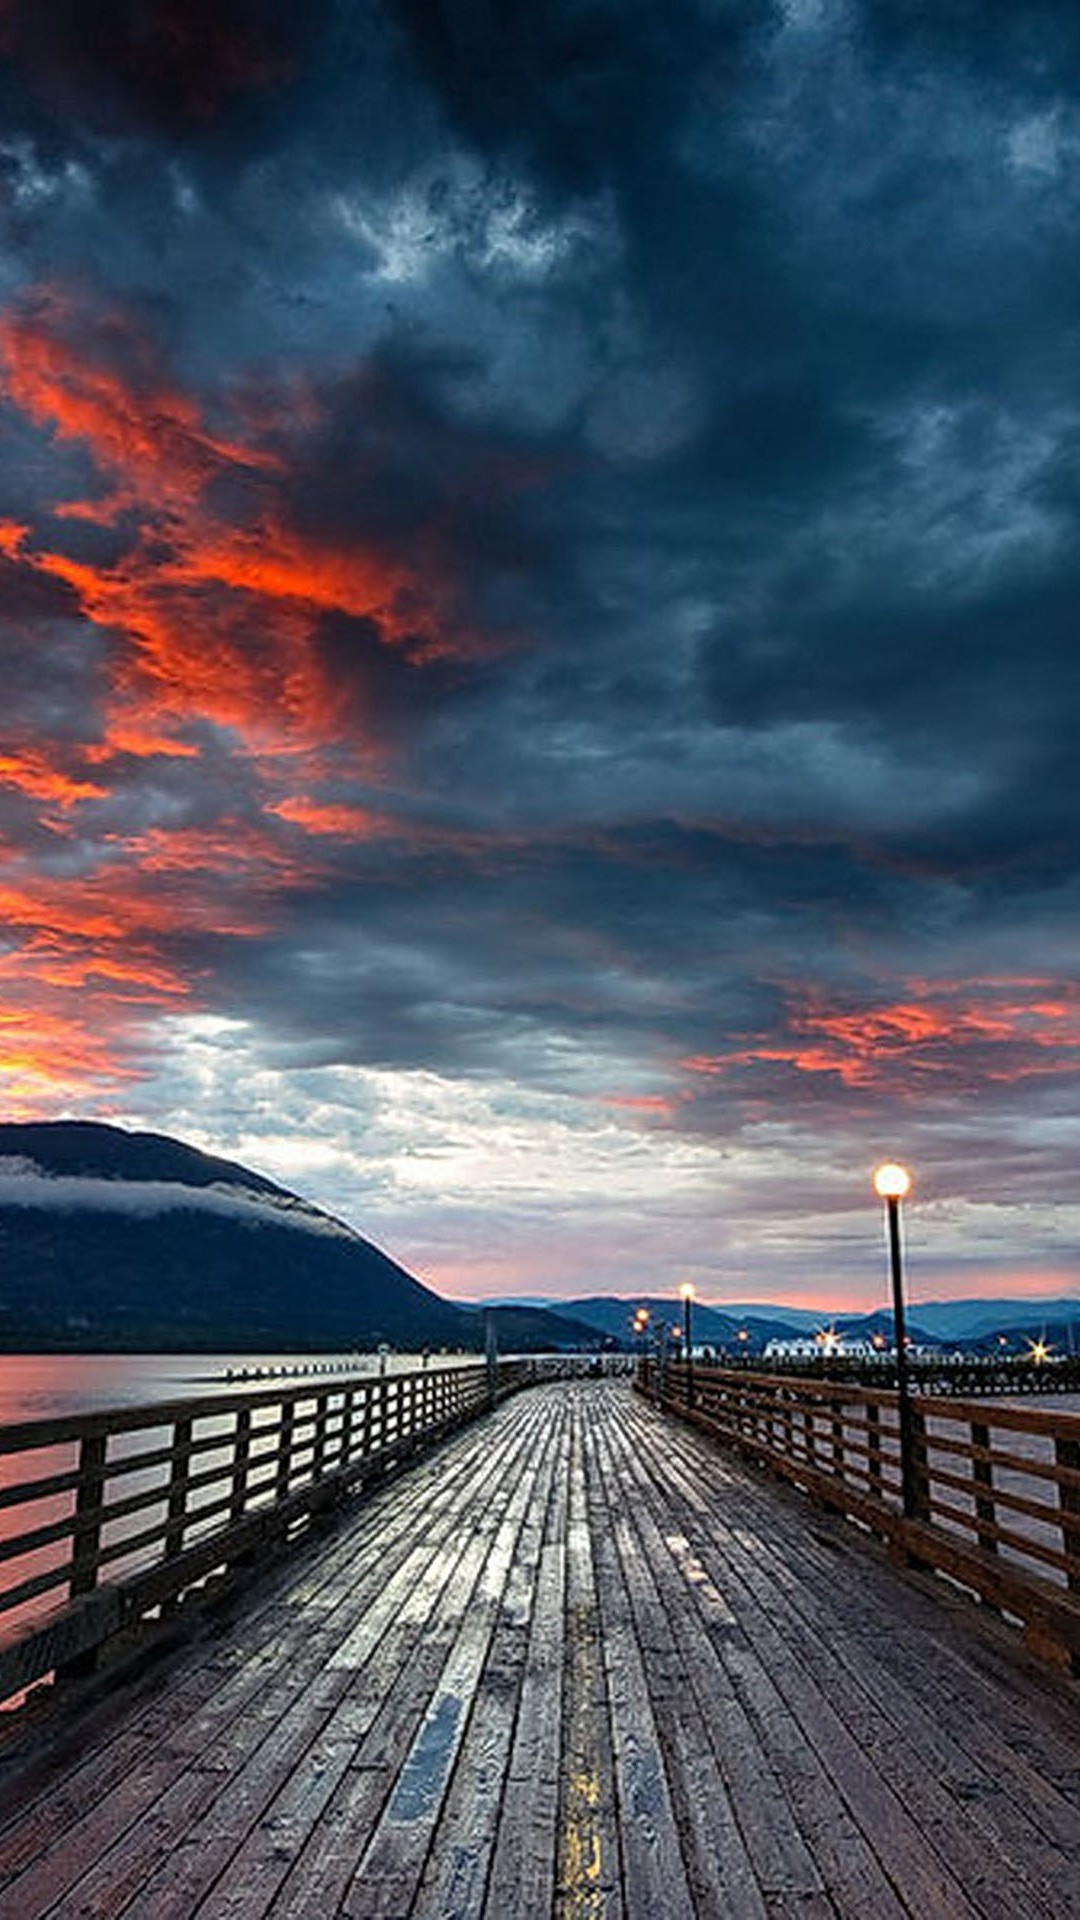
{"points": [[36, 1386]]}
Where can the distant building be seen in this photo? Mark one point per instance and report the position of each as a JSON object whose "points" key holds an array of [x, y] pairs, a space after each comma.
{"points": [[829, 1344]]}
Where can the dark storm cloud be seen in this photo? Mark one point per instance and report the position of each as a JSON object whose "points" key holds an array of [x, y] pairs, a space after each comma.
{"points": [[466, 949], [586, 92], [166, 69], [394, 465], [1035, 46], [571, 514]]}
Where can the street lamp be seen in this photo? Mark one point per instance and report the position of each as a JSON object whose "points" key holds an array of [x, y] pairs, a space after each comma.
{"points": [[660, 1340], [892, 1183], [687, 1295], [640, 1324]]}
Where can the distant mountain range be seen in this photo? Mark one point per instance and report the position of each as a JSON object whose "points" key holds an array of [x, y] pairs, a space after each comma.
{"points": [[613, 1317], [112, 1240], [945, 1323]]}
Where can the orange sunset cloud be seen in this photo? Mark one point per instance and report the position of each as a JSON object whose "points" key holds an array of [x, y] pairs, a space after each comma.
{"points": [[207, 619], [218, 616], [1022, 1029]]}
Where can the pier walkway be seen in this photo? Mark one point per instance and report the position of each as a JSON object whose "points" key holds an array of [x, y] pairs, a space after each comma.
{"points": [[579, 1664]]}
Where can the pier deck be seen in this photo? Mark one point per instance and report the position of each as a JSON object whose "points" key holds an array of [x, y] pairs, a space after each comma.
{"points": [[576, 1664]]}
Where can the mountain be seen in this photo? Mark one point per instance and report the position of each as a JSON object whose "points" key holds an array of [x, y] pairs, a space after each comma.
{"points": [[113, 1240], [974, 1319], [524, 1329], [796, 1319], [931, 1323]]}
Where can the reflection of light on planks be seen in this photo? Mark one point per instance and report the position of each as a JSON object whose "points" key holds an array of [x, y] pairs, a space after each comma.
{"points": [[709, 1597], [580, 1895]]}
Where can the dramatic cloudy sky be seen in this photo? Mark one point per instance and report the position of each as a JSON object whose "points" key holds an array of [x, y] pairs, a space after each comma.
{"points": [[539, 608]]}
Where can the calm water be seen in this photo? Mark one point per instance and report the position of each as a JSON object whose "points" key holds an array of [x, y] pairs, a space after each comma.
{"points": [[42, 1386]]}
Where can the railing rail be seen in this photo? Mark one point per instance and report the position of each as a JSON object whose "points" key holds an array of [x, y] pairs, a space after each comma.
{"points": [[109, 1519], [997, 1487]]}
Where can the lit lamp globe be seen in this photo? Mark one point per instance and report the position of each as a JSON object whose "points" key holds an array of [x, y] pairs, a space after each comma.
{"points": [[892, 1182]]}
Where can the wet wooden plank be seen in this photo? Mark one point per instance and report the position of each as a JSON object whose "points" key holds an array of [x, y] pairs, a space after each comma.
{"points": [[391, 1867], [718, 1864], [590, 1865], [191, 1758], [938, 1821], [475, 1828], [242, 1838]]}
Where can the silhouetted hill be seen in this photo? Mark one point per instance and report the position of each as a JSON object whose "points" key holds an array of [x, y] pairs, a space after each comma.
{"points": [[531, 1329], [117, 1240]]}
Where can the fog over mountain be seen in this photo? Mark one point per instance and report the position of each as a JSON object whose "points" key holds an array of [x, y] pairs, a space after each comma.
{"points": [[114, 1239]]}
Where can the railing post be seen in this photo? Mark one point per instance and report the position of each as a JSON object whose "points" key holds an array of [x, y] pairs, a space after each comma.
{"points": [[916, 1472], [810, 1427], [176, 1511], [347, 1413], [179, 1476], [983, 1475], [241, 1457], [86, 1541], [491, 1356], [89, 1514], [873, 1442], [318, 1454], [284, 1459], [1067, 1455], [380, 1413], [837, 1438]]}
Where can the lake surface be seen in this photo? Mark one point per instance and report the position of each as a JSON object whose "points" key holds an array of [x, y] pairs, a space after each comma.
{"points": [[44, 1386]]}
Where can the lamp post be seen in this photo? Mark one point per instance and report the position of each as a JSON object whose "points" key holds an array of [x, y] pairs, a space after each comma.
{"points": [[640, 1324], [491, 1355], [892, 1184], [660, 1337], [687, 1295]]}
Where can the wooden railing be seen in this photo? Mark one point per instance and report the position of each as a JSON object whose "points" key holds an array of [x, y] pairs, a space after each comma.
{"points": [[108, 1520], [996, 1487]]}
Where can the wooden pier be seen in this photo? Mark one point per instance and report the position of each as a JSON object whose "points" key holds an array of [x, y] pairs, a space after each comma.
{"points": [[576, 1663]]}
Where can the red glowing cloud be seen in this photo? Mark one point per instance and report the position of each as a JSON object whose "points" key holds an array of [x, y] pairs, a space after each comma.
{"points": [[205, 610], [30, 772], [217, 614], [1002, 1030], [47, 1057], [329, 820]]}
